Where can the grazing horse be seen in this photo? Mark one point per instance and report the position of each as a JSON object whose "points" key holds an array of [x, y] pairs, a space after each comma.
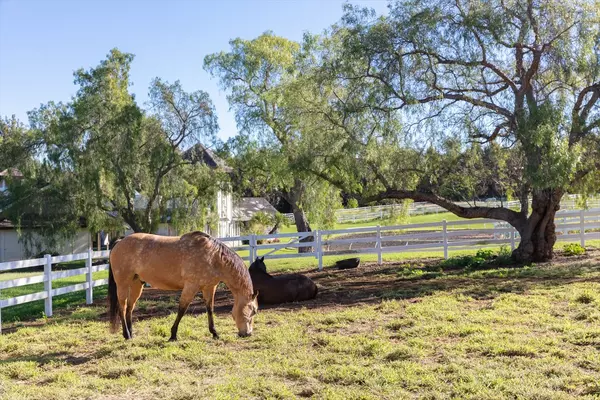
{"points": [[284, 288], [190, 263]]}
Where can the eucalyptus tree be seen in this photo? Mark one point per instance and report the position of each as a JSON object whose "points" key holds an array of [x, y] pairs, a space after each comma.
{"points": [[256, 74], [111, 162], [522, 75]]}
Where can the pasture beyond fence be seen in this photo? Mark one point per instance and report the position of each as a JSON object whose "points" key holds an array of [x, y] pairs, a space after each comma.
{"points": [[578, 225], [381, 212]]}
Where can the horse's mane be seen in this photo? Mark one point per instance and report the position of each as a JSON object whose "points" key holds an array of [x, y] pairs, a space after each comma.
{"points": [[230, 258]]}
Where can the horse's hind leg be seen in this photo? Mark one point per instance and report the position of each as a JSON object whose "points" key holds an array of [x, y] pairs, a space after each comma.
{"points": [[135, 291], [209, 298], [187, 295], [122, 294]]}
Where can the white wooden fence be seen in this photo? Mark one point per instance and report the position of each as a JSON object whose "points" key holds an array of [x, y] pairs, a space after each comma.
{"points": [[49, 276], [578, 225]]}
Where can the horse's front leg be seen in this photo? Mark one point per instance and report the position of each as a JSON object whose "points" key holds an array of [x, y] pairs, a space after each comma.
{"points": [[187, 296], [209, 298]]}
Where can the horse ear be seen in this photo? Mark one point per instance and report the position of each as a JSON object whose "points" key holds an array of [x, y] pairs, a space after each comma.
{"points": [[255, 295], [262, 258]]}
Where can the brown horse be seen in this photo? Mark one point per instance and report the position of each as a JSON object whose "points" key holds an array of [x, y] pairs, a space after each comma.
{"points": [[190, 263], [284, 288]]}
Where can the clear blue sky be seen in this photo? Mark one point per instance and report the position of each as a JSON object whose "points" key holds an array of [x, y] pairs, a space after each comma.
{"points": [[43, 41]]}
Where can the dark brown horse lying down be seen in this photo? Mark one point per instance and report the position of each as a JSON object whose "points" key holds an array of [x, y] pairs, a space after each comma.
{"points": [[280, 288]]}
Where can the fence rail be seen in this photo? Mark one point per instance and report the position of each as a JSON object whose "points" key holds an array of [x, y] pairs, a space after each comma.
{"points": [[570, 225]]}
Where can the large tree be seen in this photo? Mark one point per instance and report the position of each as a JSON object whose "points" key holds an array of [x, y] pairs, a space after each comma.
{"points": [[106, 159], [523, 75], [255, 73]]}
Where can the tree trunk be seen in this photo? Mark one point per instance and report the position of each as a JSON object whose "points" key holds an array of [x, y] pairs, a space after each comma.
{"points": [[538, 233], [293, 197], [274, 229], [131, 220], [302, 225]]}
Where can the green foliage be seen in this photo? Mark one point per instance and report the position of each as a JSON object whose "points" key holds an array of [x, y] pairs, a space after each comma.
{"points": [[485, 254], [271, 155], [504, 256], [399, 213], [352, 203], [106, 160], [573, 249], [320, 201], [259, 224], [426, 102], [483, 258]]}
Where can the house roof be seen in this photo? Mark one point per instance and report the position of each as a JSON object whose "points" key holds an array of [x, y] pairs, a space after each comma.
{"points": [[201, 154], [246, 207]]}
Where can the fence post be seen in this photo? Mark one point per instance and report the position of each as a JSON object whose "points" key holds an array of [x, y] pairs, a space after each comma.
{"points": [[89, 293], [252, 252], [319, 249], [445, 230], [379, 256], [512, 238], [582, 227], [48, 285]]}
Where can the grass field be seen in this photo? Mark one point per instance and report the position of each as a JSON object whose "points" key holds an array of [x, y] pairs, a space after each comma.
{"points": [[417, 219], [402, 330]]}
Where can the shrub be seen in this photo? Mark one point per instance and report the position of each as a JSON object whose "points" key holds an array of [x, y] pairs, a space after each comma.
{"points": [[573, 249], [471, 262], [352, 203], [485, 254], [504, 256]]}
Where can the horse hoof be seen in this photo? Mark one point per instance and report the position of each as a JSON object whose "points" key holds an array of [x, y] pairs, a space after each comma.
{"points": [[215, 336], [172, 339]]}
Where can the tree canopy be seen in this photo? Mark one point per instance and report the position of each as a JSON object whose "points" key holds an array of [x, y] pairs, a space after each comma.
{"points": [[414, 92], [106, 162]]}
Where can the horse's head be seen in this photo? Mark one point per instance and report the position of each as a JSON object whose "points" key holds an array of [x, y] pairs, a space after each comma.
{"points": [[258, 265], [244, 310]]}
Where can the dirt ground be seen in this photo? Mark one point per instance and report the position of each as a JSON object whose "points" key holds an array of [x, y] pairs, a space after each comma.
{"points": [[369, 283]]}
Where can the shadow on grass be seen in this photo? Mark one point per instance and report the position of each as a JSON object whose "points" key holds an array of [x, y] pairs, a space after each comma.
{"points": [[61, 357]]}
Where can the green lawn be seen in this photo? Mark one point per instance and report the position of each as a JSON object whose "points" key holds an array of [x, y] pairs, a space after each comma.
{"points": [[374, 333], [417, 219]]}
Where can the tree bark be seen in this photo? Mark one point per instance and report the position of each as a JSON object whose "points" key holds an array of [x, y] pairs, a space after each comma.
{"points": [[302, 225], [538, 232]]}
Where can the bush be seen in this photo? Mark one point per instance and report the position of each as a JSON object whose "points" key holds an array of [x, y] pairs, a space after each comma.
{"points": [[504, 256], [480, 260], [573, 249], [470, 262], [352, 203], [485, 254]]}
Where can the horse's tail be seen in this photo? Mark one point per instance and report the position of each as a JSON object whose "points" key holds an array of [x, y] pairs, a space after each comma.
{"points": [[113, 300]]}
